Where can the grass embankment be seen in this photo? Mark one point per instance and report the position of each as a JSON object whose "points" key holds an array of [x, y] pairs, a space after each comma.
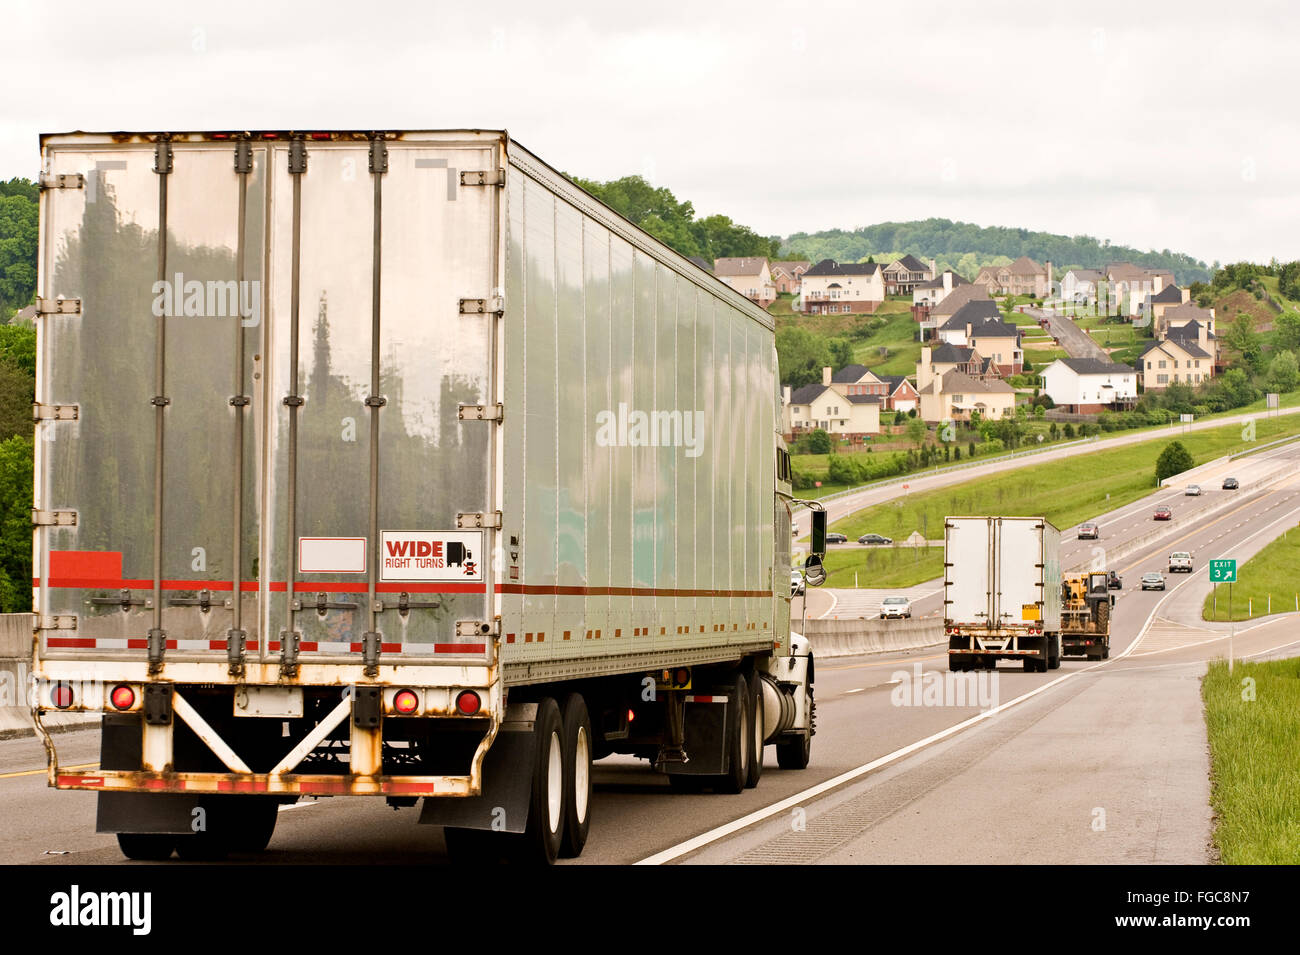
{"points": [[882, 567], [1064, 491], [1252, 717], [1273, 572]]}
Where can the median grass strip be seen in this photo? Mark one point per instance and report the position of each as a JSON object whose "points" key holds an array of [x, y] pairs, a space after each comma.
{"points": [[1268, 582], [1065, 491], [882, 567], [1252, 716]]}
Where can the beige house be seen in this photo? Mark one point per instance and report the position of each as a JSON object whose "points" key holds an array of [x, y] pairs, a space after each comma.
{"points": [[937, 362], [751, 277], [1024, 276], [821, 406], [829, 288], [1181, 315], [1130, 285], [1175, 360], [905, 274], [954, 395]]}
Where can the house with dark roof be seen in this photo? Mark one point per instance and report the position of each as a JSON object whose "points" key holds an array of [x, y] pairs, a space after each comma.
{"points": [[956, 330], [1024, 276], [1090, 385], [851, 288], [900, 394], [1129, 286], [750, 276], [905, 274], [788, 275], [931, 316], [1162, 363], [1181, 314], [953, 395], [931, 293], [846, 403]]}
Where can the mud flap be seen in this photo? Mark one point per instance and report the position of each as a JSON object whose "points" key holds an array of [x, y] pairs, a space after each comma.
{"points": [[507, 782], [705, 739], [146, 812]]}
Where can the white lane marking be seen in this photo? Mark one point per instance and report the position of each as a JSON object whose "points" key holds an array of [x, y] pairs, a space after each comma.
{"points": [[285, 807], [861, 688], [713, 835], [758, 815]]}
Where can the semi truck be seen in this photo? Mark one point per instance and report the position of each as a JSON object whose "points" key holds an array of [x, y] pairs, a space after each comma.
{"points": [[1086, 604], [392, 463], [1002, 592]]}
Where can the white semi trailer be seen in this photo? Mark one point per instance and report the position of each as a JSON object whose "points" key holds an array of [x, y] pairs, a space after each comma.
{"points": [[395, 464], [1002, 592]]}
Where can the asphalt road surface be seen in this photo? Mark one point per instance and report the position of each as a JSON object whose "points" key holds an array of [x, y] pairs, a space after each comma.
{"points": [[1091, 763]]}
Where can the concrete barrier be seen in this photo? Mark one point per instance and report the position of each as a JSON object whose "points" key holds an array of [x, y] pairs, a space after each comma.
{"points": [[843, 638], [16, 682]]}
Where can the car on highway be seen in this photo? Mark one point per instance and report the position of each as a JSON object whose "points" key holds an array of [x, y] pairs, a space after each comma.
{"points": [[1193, 490], [836, 538], [1114, 581], [1163, 514], [1231, 484], [1088, 531], [797, 586], [1180, 562], [895, 607], [1153, 581], [874, 539]]}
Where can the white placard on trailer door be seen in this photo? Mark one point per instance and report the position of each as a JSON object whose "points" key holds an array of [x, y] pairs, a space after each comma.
{"points": [[431, 555], [332, 555]]}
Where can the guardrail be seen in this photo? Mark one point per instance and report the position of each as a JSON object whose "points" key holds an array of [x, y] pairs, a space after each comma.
{"points": [[1271, 444]]}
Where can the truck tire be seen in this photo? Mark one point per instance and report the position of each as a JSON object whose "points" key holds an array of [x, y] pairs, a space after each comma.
{"points": [[577, 775], [1054, 652], [755, 732], [257, 824], [146, 846], [738, 741], [795, 754], [539, 843]]}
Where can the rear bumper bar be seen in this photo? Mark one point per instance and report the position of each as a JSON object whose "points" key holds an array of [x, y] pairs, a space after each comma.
{"points": [[234, 783]]}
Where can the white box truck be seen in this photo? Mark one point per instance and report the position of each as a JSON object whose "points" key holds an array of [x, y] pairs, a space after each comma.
{"points": [[395, 464], [1002, 592]]}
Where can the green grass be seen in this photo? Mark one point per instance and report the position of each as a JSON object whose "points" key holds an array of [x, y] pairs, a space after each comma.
{"points": [[1063, 491], [883, 567], [895, 331], [1252, 716], [1274, 571]]}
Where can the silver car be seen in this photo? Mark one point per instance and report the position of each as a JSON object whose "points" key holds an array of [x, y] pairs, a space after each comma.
{"points": [[897, 607], [1153, 581]]}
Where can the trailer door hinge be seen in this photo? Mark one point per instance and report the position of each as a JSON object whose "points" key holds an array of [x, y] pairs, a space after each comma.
{"points": [[62, 180], [483, 306], [478, 628], [56, 622], [483, 177], [42, 412], [478, 520], [58, 306], [481, 412], [54, 518]]}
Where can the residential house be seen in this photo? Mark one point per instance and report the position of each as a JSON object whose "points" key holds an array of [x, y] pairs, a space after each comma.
{"points": [[751, 277], [1200, 335], [904, 275], [830, 406], [852, 288], [999, 343], [934, 291], [1089, 385], [937, 362], [1184, 313], [1157, 303], [1079, 286], [955, 330], [1024, 276], [1162, 363], [788, 276], [930, 317], [954, 395], [701, 262], [1131, 284], [901, 394]]}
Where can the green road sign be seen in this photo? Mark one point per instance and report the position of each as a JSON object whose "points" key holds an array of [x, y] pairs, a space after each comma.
{"points": [[1223, 571]]}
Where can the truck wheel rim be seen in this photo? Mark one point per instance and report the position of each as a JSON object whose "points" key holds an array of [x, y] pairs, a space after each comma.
{"points": [[744, 731], [581, 774], [554, 783]]}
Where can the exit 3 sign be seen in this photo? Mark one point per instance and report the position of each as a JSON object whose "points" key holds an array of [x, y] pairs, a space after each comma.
{"points": [[1223, 571]]}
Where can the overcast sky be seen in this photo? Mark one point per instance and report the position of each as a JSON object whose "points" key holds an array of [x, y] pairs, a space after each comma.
{"points": [[1158, 125]]}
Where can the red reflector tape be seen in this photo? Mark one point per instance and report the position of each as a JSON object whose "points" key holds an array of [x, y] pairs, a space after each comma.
{"points": [[706, 699]]}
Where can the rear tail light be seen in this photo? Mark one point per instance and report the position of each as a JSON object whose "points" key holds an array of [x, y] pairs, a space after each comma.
{"points": [[61, 695], [406, 702], [122, 697], [468, 702]]}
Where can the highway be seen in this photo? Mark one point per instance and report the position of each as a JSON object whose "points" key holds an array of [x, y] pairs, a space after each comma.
{"points": [[1122, 742]]}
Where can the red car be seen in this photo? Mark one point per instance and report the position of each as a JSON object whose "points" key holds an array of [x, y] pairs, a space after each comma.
{"points": [[1163, 514]]}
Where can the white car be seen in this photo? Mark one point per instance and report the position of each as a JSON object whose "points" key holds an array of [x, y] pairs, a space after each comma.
{"points": [[1193, 490], [796, 583], [1180, 562], [895, 607]]}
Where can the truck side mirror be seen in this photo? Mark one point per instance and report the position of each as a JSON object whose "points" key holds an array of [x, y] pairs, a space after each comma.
{"points": [[814, 574], [818, 534]]}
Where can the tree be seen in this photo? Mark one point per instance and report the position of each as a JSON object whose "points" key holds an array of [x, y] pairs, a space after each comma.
{"points": [[18, 233], [819, 442], [1283, 372], [1039, 411], [15, 525], [1174, 459], [917, 431], [801, 355], [1287, 327], [1243, 338], [1068, 430]]}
